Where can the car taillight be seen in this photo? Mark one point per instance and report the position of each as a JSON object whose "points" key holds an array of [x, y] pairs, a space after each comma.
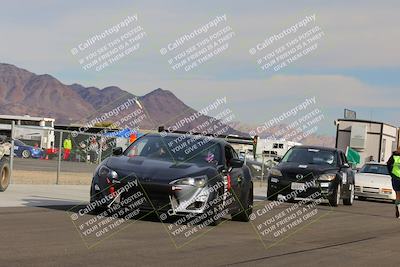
{"points": [[228, 179]]}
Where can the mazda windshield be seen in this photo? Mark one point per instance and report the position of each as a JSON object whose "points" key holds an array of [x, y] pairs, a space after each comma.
{"points": [[309, 156]]}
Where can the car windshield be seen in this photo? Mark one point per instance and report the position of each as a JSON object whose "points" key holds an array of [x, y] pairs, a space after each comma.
{"points": [[375, 169], [19, 143], [183, 148], [311, 156]]}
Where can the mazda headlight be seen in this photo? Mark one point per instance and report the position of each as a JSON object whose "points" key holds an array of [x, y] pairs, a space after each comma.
{"points": [[275, 172], [199, 181], [327, 177], [105, 172]]}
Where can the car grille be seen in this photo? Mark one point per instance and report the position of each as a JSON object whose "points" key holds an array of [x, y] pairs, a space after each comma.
{"points": [[294, 176], [157, 195], [371, 190]]}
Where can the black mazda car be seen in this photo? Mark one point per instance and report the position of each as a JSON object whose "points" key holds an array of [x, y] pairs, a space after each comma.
{"points": [[306, 171], [178, 174]]}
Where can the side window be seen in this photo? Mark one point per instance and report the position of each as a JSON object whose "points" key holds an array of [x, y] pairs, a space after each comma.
{"points": [[235, 155], [230, 153], [339, 158], [343, 158]]}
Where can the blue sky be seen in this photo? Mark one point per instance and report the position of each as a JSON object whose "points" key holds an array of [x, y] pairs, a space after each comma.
{"points": [[356, 65]]}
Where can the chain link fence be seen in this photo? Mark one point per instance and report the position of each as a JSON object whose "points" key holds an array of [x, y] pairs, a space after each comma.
{"points": [[58, 156]]}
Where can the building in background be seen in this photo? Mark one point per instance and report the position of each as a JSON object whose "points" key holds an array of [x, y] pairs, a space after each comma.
{"points": [[275, 148], [374, 141], [33, 130]]}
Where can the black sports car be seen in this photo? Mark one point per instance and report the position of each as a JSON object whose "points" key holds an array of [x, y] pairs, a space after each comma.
{"points": [[178, 174], [305, 171]]}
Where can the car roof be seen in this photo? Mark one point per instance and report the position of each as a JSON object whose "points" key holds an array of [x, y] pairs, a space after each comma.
{"points": [[176, 135], [319, 148], [375, 163]]}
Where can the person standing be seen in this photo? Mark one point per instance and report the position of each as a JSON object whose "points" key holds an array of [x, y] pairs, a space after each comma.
{"points": [[93, 150], [67, 147], [393, 166]]}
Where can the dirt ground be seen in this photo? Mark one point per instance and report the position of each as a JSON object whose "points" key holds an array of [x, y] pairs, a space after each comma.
{"points": [[46, 177]]}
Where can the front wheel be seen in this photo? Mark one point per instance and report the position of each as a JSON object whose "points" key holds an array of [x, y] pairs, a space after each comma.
{"points": [[246, 208], [272, 196], [4, 174], [334, 199], [26, 154], [348, 201]]}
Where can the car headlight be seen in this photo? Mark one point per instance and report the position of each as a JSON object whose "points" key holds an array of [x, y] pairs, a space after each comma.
{"points": [[105, 172], [275, 172], [327, 177], [199, 181]]}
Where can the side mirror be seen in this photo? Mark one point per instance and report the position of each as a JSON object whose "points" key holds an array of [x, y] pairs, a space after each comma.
{"points": [[277, 159], [236, 163], [345, 165], [117, 151]]}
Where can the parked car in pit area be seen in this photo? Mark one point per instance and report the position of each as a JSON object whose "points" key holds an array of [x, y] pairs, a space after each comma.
{"points": [[177, 179], [23, 150], [373, 180], [325, 169]]}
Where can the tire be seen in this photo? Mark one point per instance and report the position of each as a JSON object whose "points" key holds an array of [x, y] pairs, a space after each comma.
{"points": [[272, 196], [98, 210], [26, 154], [247, 205], [335, 198], [361, 198], [291, 200], [4, 174], [348, 201]]}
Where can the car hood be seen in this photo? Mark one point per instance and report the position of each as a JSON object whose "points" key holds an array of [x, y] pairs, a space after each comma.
{"points": [[292, 169], [373, 180], [156, 171]]}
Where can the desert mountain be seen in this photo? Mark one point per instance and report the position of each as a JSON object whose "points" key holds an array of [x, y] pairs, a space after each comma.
{"points": [[23, 92]]}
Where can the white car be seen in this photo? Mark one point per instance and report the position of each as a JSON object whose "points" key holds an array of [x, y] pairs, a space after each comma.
{"points": [[373, 181]]}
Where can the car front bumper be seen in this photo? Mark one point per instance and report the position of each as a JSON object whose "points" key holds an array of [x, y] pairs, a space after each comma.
{"points": [[375, 195], [283, 186], [174, 200]]}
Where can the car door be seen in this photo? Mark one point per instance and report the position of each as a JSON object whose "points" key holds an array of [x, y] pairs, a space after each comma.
{"points": [[346, 172], [18, 148], [236, 175]]}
